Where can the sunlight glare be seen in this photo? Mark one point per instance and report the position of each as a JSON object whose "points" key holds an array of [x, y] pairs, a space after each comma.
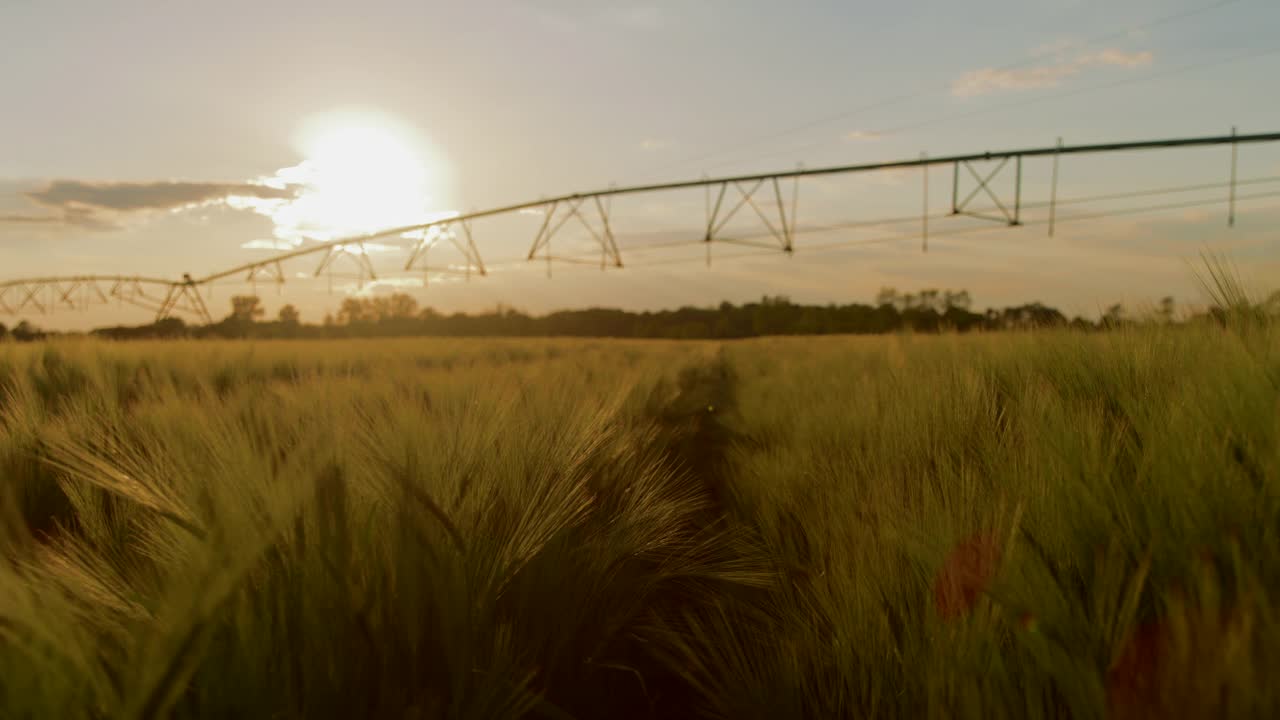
{"points": [[363, 172]]}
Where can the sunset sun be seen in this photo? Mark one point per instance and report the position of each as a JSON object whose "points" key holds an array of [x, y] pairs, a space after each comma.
{"points": [[362, 172]]}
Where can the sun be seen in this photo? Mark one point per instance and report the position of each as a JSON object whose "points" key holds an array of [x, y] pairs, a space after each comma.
{"points": [[363, 172]]}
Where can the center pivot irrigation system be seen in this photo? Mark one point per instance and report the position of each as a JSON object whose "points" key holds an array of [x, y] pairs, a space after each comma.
{"points": [[726, 197]]}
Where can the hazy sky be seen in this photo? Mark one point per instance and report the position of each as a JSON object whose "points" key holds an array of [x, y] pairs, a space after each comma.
{"points": [[161, 138]]}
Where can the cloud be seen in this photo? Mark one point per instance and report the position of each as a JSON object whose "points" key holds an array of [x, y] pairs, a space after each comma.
{"points": [[991, 80], [72, 216], [373, 287], [862, 136], [32, 219], [274, 244], [1117, 58], [104, 205], [369, 248], [78, 198]]}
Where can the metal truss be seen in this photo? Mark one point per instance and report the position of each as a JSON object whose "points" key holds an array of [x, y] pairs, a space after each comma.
{"points": [[183, 297], [270, 272], [559, 211], [358, 256], [762, 193], [603, 235], [435, 234], [79, 292], [961, 207], [133, 292], [783, 233], [28, 295]]}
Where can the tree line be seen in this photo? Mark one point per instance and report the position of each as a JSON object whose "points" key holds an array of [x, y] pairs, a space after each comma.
{"points": [[399, 314], [927, 311]]}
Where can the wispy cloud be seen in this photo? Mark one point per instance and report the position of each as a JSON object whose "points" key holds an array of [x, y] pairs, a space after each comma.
{"points": [[862, 136], [128, 196], [389, 284], [104, 205], [1118, 58], [270, 244], [985, 81], [30, 219]]}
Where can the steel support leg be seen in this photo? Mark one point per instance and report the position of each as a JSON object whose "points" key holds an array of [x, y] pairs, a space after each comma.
{"points": [[1053, 191], [65, 296], [1017, 195], [955, 188], [361, 259], [31, 295], [781, 233], [472, 252], [924, 215], [795, 202], [1235, 156], [603, 235], [166, 305]]}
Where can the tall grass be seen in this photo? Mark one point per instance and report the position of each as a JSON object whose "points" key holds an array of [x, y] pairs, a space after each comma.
{"points": [[1128, 484], [1011, 525]]}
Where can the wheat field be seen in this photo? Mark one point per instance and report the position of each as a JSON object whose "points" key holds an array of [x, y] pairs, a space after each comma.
{"points": [[1041, 524]]}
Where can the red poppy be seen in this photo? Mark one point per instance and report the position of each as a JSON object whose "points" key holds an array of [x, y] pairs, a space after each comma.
{"points": [[1133, 683], [1149, 679], [965, 575]]}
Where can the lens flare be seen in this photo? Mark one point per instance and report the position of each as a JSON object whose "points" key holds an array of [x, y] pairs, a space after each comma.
{"points": [[362, 173]]}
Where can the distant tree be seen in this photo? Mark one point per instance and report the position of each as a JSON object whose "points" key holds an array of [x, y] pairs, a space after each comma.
{"points": [[246, 309], [170, 327], [958, 300], [1272, 304], [887, 297], [289, 316], [930, 300], [401, 307], [164, 328], [1036, 315], [1165, 311], [4, 331], [1023, 317], [26, 332], [353, 311], [1114, 316], [1079, 323], [397, 308]]}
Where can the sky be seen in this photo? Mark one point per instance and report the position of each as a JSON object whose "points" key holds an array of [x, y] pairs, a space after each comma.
{"points": [[156, 139]]}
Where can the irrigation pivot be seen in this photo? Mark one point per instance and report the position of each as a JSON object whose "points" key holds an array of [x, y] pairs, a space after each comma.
{"points": [[761, 193]]}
